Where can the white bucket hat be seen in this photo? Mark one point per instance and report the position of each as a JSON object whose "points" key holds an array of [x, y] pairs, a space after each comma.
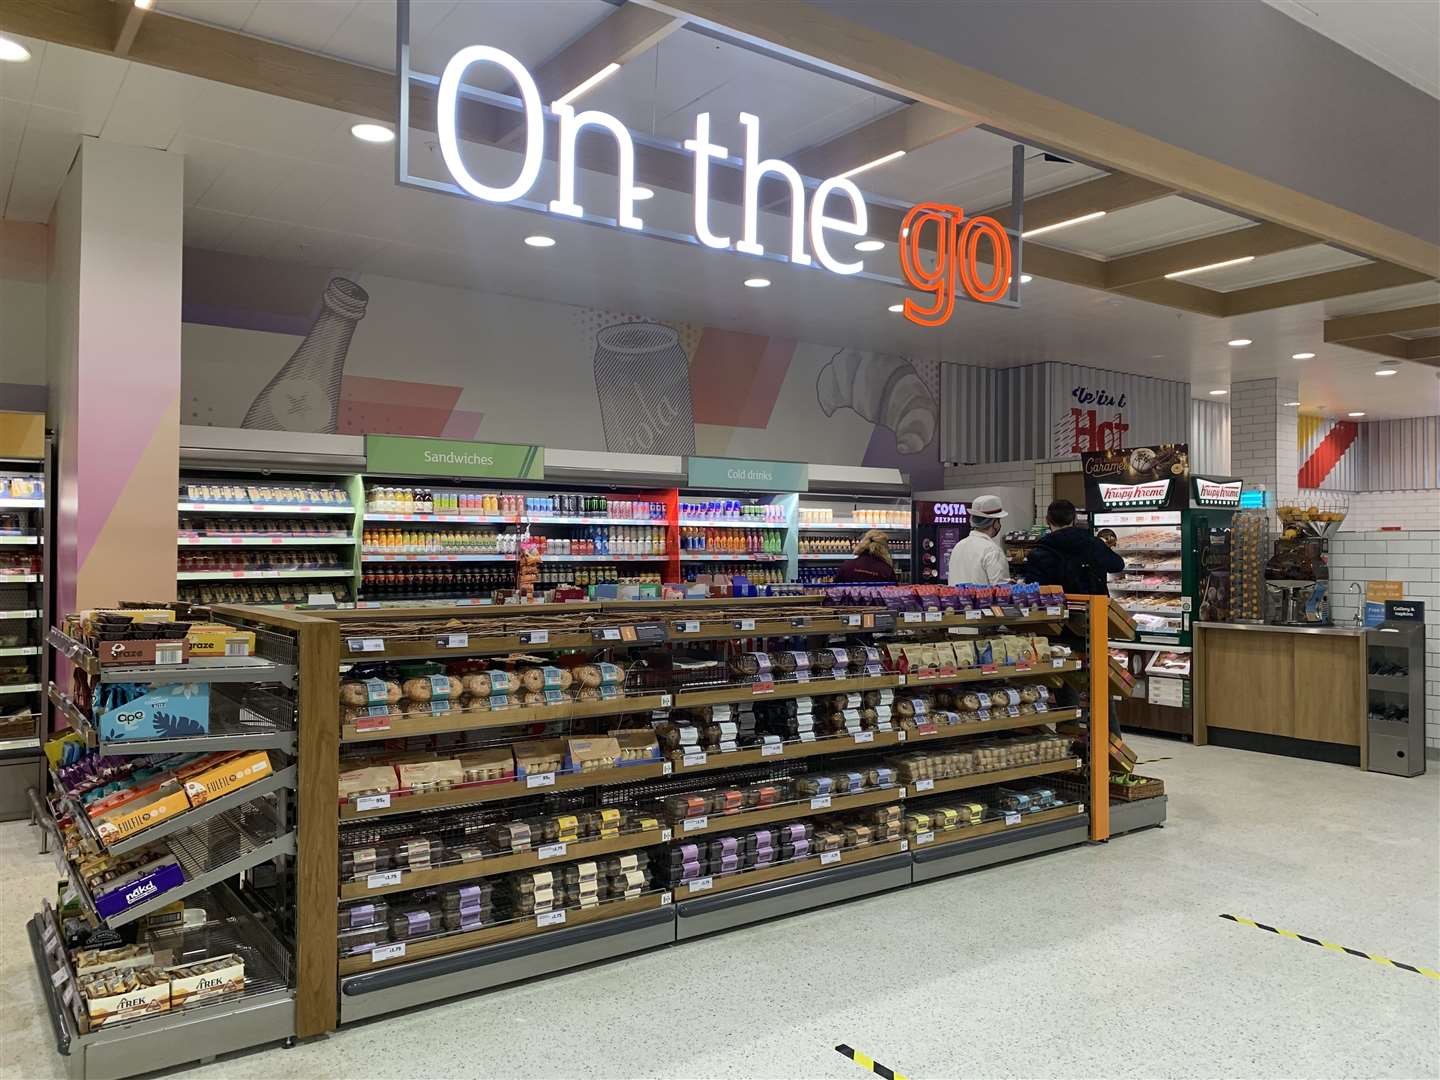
{"points": [[988, 506]]}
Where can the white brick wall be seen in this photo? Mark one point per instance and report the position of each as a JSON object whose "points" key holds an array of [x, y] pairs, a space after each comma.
{"points": [[1263, 433], [1000, 474], [1409, 510], [1411, 557]]}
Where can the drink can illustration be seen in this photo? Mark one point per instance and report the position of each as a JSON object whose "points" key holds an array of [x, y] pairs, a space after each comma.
{"points": [[642, 378]]}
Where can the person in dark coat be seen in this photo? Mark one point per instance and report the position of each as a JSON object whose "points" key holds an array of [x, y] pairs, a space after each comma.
{"points": [[872, 564], [1070, 556]]}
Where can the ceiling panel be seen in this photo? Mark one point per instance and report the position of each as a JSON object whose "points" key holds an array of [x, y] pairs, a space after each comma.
{"points": [[507, 24], [1158, 223], [230, 14], [306, 24], [12, 135], [17, 81], [1312, 259], [367, 35], [208, 229], [81, 83], [1397, 35], [147, 109], [662, 92], [46, 150]]}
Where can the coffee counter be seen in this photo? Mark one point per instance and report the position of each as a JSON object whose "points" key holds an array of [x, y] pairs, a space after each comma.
{"points": [[1296, 690]]}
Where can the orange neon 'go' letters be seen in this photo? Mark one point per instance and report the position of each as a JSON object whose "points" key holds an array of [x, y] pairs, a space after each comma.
{"points": [[957, 248]]}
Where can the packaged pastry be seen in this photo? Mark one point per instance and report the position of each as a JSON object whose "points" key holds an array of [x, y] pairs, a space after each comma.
{"points": [[368, 780], [488, 765], [964, 653], [374, 912], [370, 692], [588, 755], [423, 688], [426, 776], [539, 756], [415, 922]]}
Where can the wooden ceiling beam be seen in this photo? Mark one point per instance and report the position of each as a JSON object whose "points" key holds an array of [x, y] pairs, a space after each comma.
{"points": [[1114, 191], [128, 16], [1326, 286], [1152, 265], [627, 32], [1398, 320], [1172, 294], [1425, 350], [1380, 345]]}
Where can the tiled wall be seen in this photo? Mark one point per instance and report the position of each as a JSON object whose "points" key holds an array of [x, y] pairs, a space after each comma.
{"points": [[1409, 510], [1412, 558]]}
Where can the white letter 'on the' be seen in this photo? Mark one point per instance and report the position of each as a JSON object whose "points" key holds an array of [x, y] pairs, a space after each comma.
{"points": [[571, 124], [754, 170], [446, 113], [704, 151], [819, 222]]}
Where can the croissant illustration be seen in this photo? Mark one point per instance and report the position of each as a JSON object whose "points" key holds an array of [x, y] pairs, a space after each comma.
{"points": [[883, 389]]}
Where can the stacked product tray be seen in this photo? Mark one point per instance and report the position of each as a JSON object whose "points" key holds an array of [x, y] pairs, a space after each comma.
{"points": [[230, 849], [485, 834]]}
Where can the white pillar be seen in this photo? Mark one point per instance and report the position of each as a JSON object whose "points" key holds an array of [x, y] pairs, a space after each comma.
{"points": [[1263, 437], [114, 349]]}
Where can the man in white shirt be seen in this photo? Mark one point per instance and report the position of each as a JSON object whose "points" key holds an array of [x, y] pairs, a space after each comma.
{"points": [[979, 559]]}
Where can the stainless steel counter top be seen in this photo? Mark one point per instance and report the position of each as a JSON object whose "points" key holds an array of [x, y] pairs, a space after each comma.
{"points": [[1329, 631]]}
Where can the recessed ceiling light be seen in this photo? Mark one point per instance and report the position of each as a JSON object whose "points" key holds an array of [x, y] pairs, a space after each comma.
{"points": [[1239, 342], [540, 241], [376, 133], [1210, 266], [870, 245], [757, 283], [1384, 371], [1290, 404], [144, 5], [1063, 224], [1218, 393], [896, 308], [13, 51], [1302, 356], [642, 192], [1355, 414]]}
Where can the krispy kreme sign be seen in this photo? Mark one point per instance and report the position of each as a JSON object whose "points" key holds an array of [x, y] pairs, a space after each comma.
{"points": [[1135, 494]]}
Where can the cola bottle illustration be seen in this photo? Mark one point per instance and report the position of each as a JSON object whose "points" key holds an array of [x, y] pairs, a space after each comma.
{"points": [[304, 395]]}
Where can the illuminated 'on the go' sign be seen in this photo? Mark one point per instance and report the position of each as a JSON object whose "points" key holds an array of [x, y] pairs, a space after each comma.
{"points": [[957, 260], [705, 151]]}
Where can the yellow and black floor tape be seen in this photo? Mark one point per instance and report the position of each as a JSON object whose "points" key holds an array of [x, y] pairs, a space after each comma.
{"points": [[1427, 972], [866, 1062]]}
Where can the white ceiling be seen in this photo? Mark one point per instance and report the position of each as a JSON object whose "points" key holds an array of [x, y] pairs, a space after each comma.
{"points": [[271, 177], [1401, 36]]}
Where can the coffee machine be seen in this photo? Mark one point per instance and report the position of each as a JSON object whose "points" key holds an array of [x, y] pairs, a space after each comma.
{"points": [[1297, 576]]}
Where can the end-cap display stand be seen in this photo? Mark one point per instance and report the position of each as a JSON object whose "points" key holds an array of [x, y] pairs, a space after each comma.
{"points": [[465, 962], [236, 852]]}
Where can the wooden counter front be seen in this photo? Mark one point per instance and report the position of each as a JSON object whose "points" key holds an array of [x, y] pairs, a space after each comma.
{"points": [[1286, 682]]}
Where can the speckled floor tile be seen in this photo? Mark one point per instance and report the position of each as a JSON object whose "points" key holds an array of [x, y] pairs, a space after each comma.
{"points": [[1097, 961]]}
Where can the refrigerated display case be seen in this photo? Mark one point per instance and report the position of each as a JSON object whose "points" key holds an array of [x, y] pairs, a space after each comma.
{"points": [[24, 614], [1174, 534], [829, 528]]}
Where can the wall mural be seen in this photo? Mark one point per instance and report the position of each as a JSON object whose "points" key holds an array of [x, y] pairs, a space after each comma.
{"points": [[279, 346]]}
